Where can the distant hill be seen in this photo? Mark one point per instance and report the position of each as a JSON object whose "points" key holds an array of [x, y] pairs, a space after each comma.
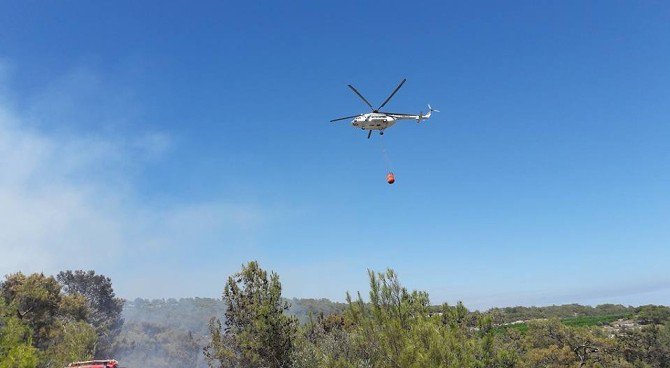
{"points": [[519, 313], [193, 314]]}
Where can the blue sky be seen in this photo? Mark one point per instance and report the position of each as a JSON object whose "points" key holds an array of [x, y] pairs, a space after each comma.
{"points": [[166, 144]]}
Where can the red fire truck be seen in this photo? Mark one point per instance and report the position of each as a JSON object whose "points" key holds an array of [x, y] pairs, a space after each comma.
{"points": [[95, 364]]}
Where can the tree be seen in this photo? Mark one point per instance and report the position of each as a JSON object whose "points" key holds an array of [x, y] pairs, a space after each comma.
{"points": [[649, 345], [396, 329], [257, 332], [71, 341], [325, 341], [16, 350], [40, 325], [384, 324], [653, 314], [35, 301], [105, 307]]}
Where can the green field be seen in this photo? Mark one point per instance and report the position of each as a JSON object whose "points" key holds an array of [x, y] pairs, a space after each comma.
{"points": [[587, 321], [581, 321]]}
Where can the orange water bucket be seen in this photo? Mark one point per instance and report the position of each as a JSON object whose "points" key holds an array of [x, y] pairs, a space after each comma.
{"points": [[390, 178]]}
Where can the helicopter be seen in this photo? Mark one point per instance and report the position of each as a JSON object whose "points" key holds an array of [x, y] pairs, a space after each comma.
{"points": [[380, 120]]}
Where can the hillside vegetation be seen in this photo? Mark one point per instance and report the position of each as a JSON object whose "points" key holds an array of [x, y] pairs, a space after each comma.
{"points": [[49, 321]]}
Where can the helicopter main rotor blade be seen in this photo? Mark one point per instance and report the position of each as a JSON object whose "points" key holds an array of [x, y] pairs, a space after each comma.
{"points": [[348, 117], [361, 96], [392, 93]]}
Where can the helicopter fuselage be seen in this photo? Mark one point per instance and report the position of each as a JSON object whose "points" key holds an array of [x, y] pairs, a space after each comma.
{"points": [[373, 121]]}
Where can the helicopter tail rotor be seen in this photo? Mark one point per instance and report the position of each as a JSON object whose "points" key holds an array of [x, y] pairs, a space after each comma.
{"points": [[421, 116]]}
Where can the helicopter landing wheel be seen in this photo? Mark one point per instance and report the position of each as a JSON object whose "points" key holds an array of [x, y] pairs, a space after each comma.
{"points": [[381, 132]]}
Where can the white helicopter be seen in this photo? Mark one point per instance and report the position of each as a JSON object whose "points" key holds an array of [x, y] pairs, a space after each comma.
{"points": [[380, 120]]}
